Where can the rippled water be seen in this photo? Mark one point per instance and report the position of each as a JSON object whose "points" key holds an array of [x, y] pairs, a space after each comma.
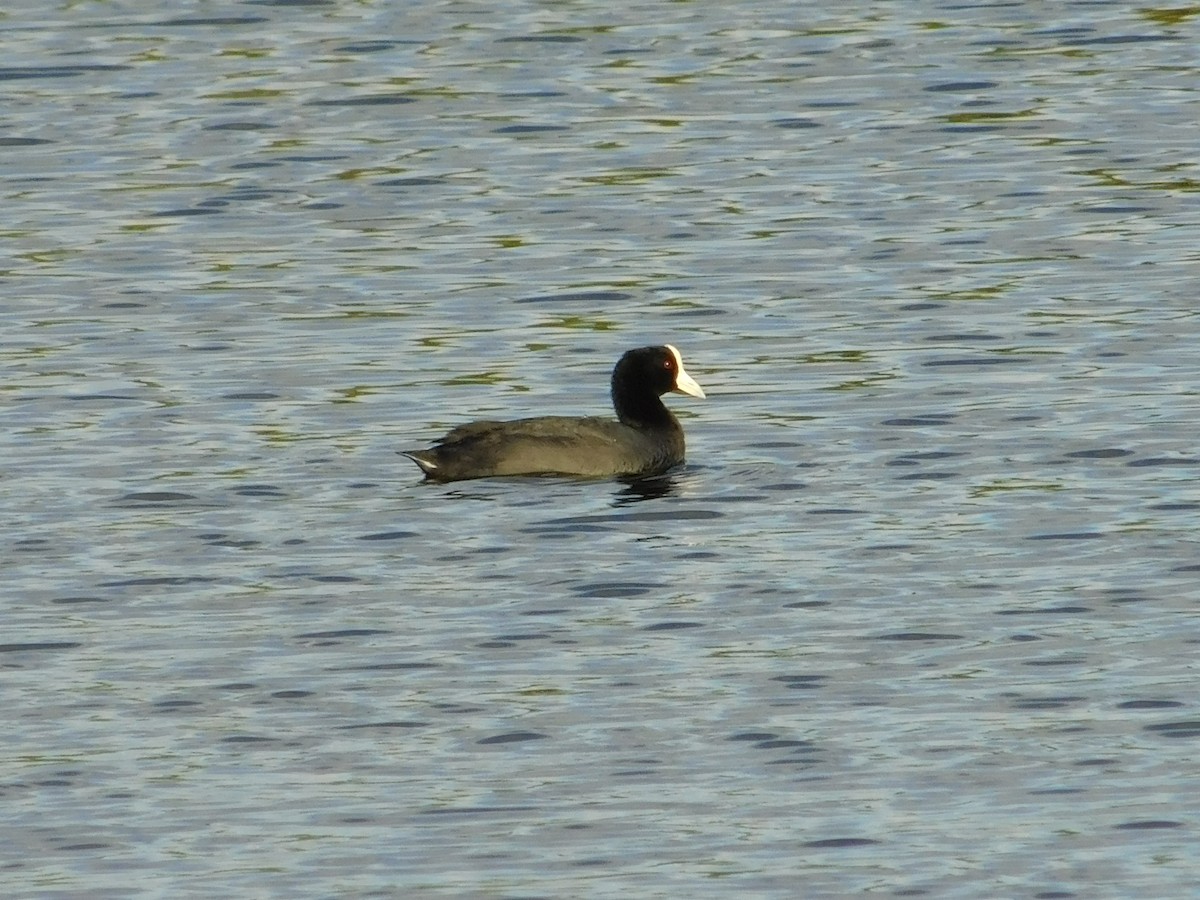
{"points": [[917, 618]]}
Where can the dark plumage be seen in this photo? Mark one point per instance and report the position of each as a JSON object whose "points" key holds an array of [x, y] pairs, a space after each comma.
{"points": [[644, 440]]}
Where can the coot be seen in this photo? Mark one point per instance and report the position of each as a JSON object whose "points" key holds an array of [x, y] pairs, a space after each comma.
{"points": [[645, 440]]}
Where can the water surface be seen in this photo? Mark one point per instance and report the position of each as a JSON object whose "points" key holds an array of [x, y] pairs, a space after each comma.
{"points": [[916, 618]]}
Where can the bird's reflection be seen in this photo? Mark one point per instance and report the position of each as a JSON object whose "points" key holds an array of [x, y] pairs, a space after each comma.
{"points": [[638, 489]]}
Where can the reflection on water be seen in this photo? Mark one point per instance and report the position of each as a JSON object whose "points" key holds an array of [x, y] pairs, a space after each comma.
{"points": [[917, 603], [638, 489]]}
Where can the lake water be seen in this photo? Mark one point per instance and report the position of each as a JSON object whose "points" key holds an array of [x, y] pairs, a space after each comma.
{"points": [[917, 618]]}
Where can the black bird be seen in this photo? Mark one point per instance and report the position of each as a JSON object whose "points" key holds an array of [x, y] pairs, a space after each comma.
{"points": [[645, 440]]}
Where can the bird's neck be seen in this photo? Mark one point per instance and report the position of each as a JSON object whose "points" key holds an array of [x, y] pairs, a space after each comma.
{"points": [[641, 410]]}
